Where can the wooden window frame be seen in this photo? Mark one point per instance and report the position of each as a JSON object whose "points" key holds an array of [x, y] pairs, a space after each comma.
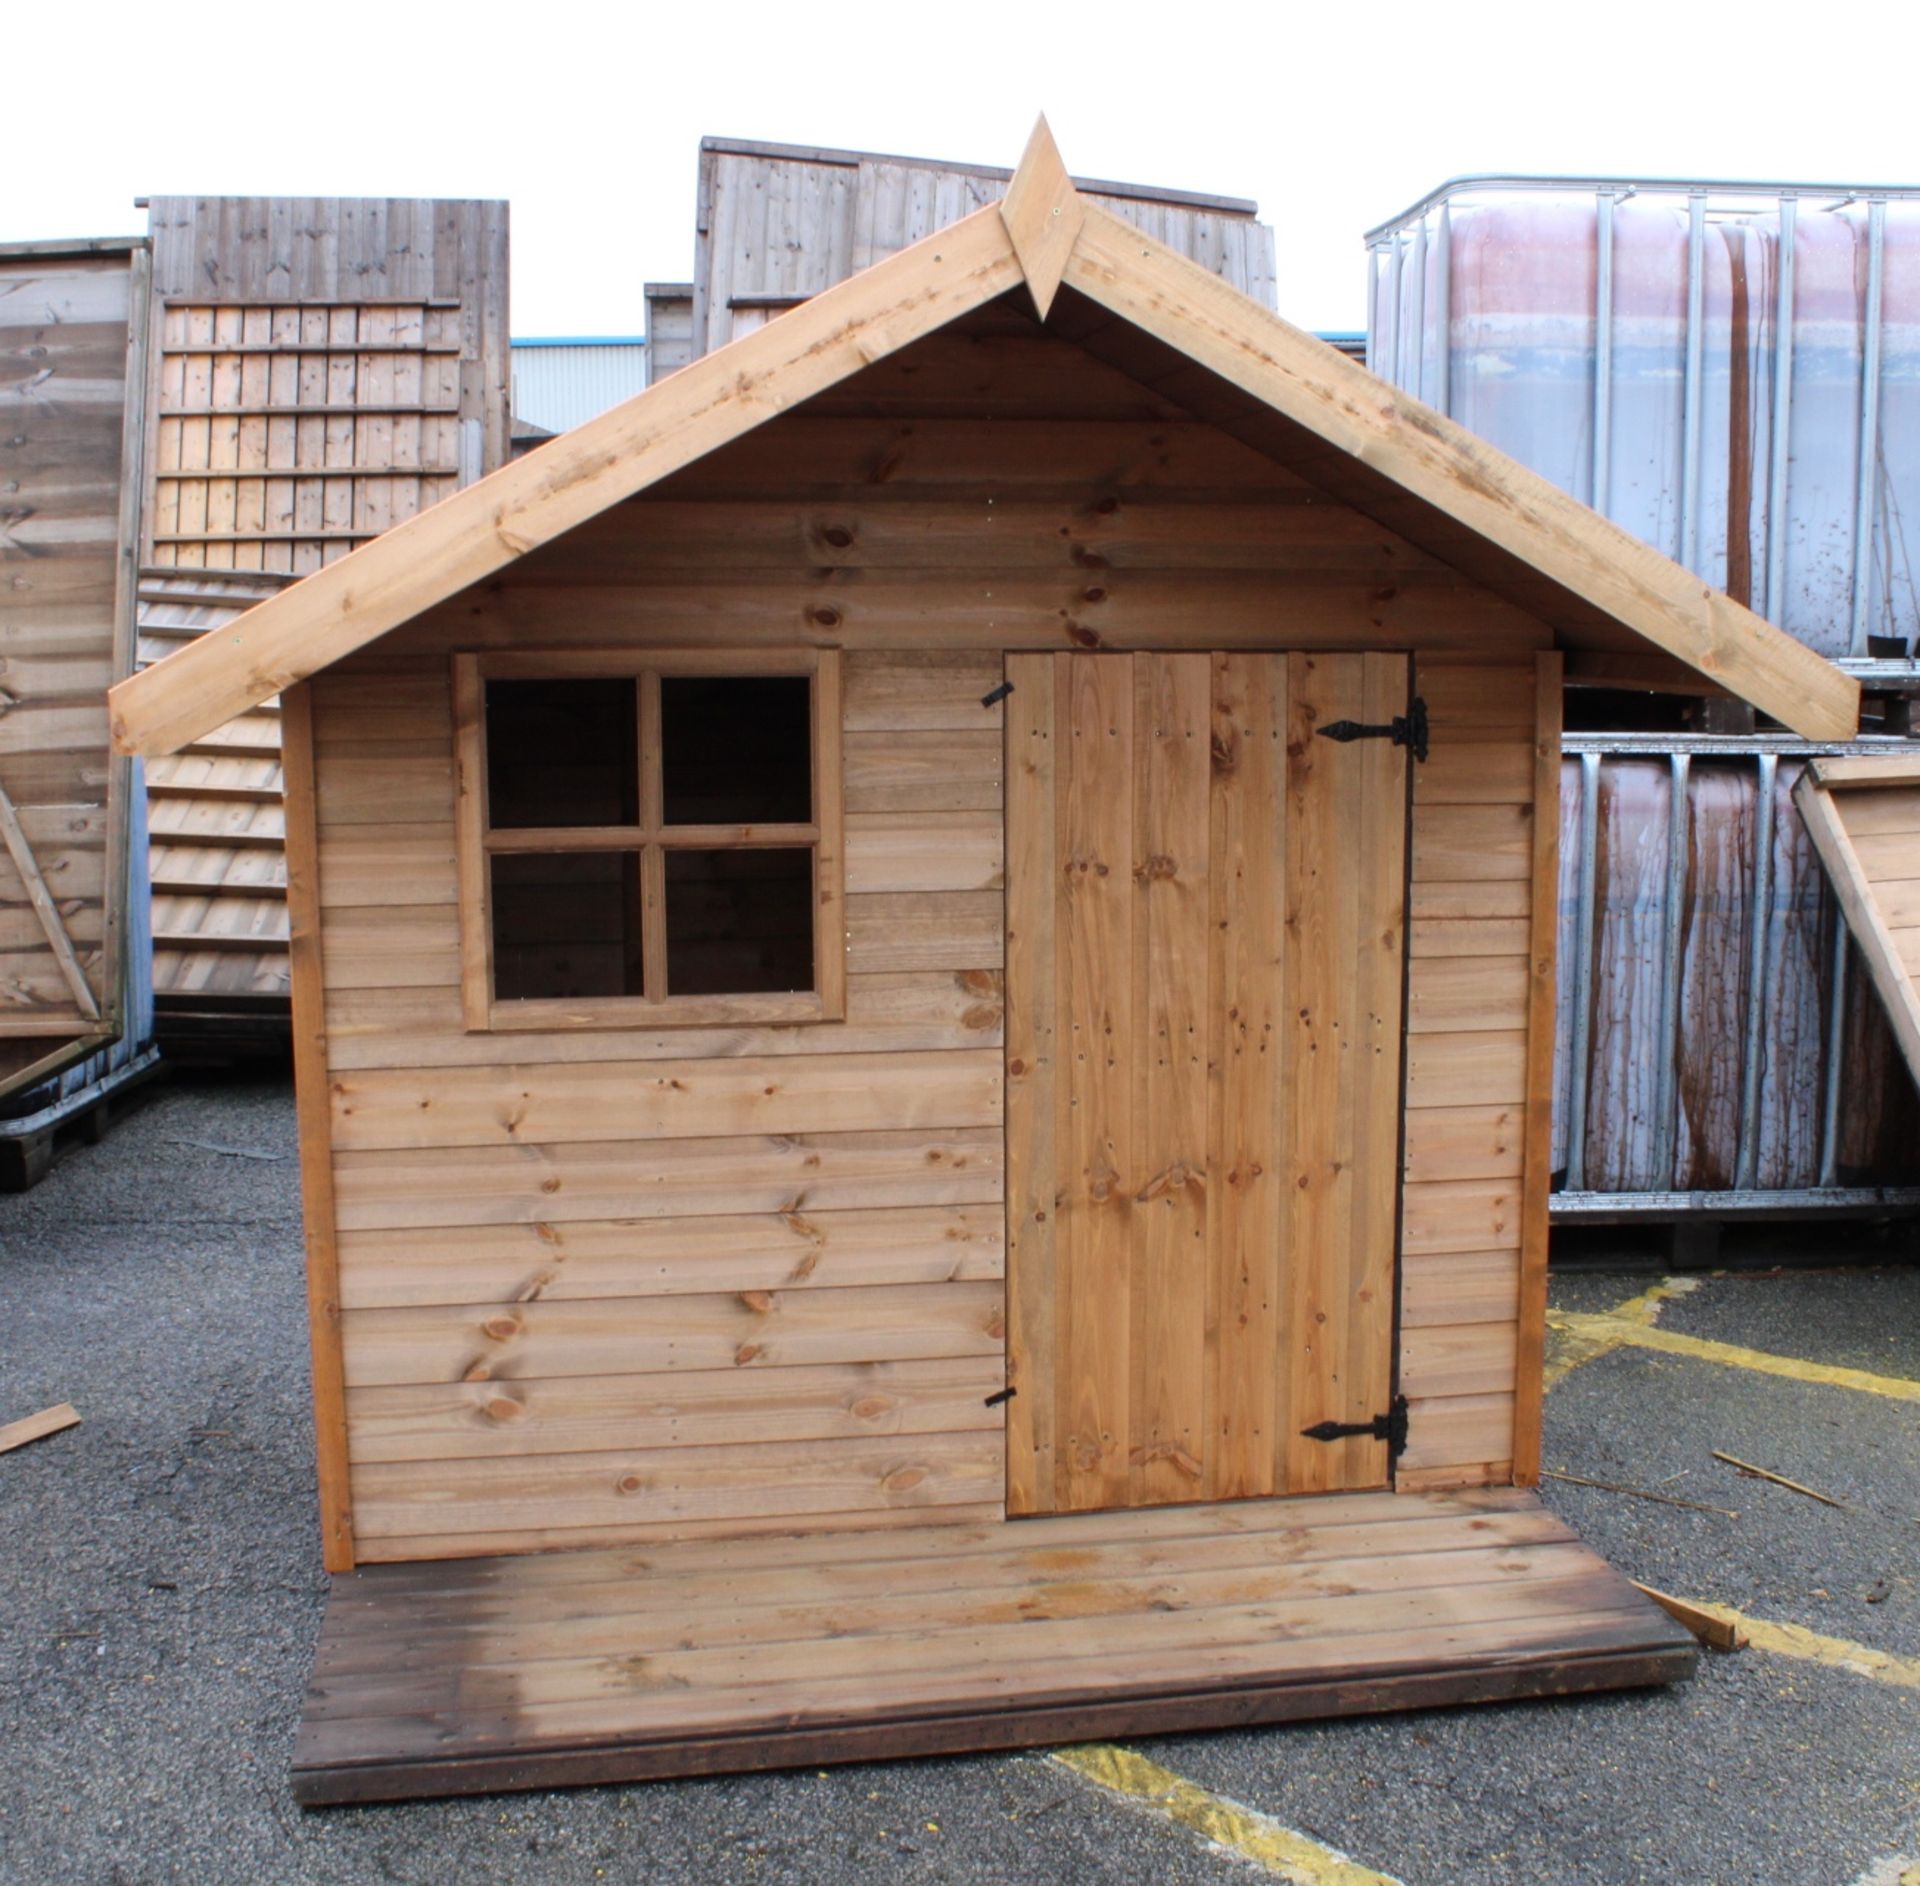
{"points": [[652, 838]]}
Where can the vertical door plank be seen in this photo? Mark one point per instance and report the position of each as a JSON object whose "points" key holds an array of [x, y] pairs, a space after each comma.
{"points": [[1345, 867], [1318, 1130], [1245, 1223], [1033, 880], [1172, 735], [1095, 939]]}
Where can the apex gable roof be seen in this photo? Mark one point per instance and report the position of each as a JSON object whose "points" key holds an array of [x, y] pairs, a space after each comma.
{"points": [[1374, 443]]}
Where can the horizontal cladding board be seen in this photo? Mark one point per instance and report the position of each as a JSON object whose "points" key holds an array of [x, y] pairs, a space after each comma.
{"points": [[1461, 994], [1461, 843], [1445, 1287], [999, 532], [970, 609], [902, 457], [1466, 1432], [418, 945], [421, 1027], [1447, 1359], [1460, 1215], [1465, 1142], [742, 1330], [676, 1178], [1430, 937], [886, 691], [904, 930], [1466, 771], [555, 1263], [1467, 1070], [944, 771], [721, 1407], [926, 851], [574, 1103], [794, 1479]]}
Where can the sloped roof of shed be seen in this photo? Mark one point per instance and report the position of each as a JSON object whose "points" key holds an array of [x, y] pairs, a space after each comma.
{"points": [[1153, 313]]}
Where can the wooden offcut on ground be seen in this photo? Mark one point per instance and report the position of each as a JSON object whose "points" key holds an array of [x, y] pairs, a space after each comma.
{"points": [[704, 1657]]}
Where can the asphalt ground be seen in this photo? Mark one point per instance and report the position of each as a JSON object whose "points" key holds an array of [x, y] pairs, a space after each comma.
{"points": [[160, 1592]]}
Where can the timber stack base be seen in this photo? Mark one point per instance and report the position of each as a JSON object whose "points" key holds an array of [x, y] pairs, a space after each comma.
{"points": [[707, 1657]]}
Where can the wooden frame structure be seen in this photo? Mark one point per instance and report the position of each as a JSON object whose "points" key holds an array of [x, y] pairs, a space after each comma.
{"points": [[1175, 1170]]}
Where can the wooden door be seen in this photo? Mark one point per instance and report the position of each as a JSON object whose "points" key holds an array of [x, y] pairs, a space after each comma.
{"points": [[1205, 946]]}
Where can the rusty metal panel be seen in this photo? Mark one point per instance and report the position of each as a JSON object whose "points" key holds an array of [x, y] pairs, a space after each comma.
{"points": [[1715, 1034]]}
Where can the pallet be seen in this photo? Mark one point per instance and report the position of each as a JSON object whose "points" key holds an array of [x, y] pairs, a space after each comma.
{"points": [[31, 1145]]}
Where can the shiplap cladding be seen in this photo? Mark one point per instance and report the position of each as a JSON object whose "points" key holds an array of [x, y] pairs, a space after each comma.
{"points": [[67, 314], [778, 223], [620, 1284]]}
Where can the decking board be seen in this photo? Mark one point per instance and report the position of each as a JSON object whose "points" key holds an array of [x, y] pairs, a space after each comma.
{"points": [[718, 1656]]}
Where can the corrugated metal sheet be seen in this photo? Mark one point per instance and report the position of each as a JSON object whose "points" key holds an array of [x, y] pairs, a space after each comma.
{"points": [[560, 383]]}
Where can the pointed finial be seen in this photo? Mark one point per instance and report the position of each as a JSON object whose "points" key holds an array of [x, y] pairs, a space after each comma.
{"points": [[1043, 213]]}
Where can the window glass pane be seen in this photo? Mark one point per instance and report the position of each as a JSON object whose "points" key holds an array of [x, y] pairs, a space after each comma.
{"points": [[566, 924], [562, 753], [737, 750], [739, 922]]}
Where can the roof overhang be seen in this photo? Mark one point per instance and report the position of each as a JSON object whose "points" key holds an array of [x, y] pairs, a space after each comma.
{"points": [[1043, 234]]}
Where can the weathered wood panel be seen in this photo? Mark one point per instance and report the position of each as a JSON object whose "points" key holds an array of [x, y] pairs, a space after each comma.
{"points": [[779, 223], [323, 368], [69, 448]]}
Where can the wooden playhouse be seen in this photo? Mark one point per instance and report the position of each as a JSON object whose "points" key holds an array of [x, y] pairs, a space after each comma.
{"points": [[923, 987]]}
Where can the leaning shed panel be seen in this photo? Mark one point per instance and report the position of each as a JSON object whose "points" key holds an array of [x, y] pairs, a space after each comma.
{"points": [[619, 1284], [777, 223], [69, 452]]}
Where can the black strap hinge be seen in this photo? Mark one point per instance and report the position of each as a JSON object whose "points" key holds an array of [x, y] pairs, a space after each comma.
{"points": [[1390, 1427], [1407, 730]]}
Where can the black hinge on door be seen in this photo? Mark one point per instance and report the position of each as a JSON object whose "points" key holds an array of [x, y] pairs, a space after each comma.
{"points": [[1390, 1427], [1407, 730]]}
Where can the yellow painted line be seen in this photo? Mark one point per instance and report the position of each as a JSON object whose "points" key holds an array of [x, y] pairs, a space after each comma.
{"points": [[1614, 1332], [1837, 1653], [1585, 1344], [1244, 1832]]}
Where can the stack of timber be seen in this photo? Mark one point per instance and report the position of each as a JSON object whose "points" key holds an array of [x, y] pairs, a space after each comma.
{"points": [[216, 838], [72, 1019], [322, 369]]}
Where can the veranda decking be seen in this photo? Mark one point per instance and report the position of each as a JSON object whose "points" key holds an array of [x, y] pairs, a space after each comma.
{"points": [[766, 1652]]}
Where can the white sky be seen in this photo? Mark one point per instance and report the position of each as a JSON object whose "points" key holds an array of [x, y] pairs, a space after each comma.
{"points": [[588, 120]]}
